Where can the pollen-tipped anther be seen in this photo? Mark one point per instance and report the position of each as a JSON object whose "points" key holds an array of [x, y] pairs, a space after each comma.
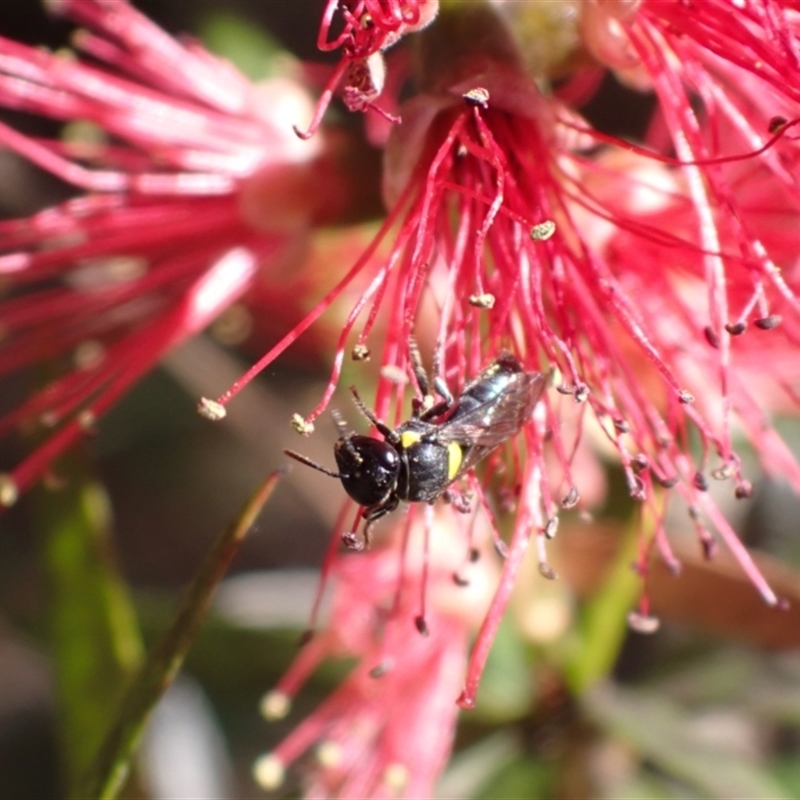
{"points": [[736, 328], [275, 705], [380, 670], [768, 323], [9, 491], [329, 754], [477, 97], [542, 231], [269, 772], [360, 352], [302, 425], [211, 409], [485, 300], [570, 500], [711, 337], [643, 623], [396, 776]]}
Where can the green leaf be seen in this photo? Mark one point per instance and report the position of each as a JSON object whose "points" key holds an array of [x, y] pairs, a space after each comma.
{"points": [[95, 634], [113, 763]]}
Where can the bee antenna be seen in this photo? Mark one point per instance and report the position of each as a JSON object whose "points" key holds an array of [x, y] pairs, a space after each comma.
{"points": [[348, 443], [340, 424], [380, 426], [313, 464], [345, 435]]}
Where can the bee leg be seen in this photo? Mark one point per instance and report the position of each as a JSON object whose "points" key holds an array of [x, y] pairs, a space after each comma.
{"points": [[424, 407], [439, 382], [374, 513], [351, 540], [461, 501], [420, 405], [416, 366], [440, 386], [434, 411], [379, 424]]}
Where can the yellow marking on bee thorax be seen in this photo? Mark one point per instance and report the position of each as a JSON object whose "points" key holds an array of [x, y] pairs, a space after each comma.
{"points": [[454, 457], [409, 438]]}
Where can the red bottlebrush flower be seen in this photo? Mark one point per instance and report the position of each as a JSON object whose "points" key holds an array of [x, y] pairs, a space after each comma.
{"points": [[648, 280], [627, 272], [193, 181], [388, 729]]}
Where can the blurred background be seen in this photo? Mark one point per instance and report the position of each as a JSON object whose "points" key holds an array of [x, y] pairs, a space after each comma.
{"points": [[708, 706]]}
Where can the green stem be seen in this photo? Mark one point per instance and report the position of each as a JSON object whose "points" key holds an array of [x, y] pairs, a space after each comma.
{"points": [[114, 759]]}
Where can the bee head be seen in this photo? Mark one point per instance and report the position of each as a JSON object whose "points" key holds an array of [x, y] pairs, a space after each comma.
{"points": [[368, 468]]}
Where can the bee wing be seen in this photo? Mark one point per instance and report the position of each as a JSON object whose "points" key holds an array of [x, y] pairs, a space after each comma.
{"points": [[482, 428]]}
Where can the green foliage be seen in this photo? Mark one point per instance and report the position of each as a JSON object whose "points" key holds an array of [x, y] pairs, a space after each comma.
{"points": [[95, 637], [114, 760]]}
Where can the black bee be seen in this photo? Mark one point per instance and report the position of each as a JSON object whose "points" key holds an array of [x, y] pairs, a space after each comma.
{"points": [[419, 460]]}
